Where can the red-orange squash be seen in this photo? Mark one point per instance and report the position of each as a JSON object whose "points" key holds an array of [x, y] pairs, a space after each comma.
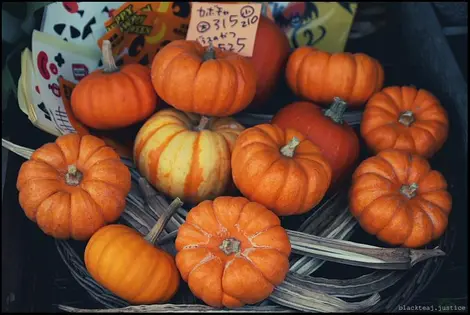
{"points": [[280, 169], [396, 196], [405, 118], [73, 187], [232, 252], [185, 155], [336, 139], [319, 76], [114, 97], [269, 58], [206, 81]]}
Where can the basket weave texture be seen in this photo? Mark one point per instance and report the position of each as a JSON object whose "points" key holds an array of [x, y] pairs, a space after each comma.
{"points": [[379, 290]]}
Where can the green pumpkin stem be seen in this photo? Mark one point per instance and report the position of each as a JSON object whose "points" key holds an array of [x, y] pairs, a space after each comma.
{"points": [[409, 191], [336, 110], [157, 229], [202, 123], [210, 53], [289, 149], [109, 65], [230, 246], [73, 176], [406, 118], [264, 8]]}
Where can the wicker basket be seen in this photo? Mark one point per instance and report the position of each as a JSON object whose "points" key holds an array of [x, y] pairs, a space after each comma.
{"points": [[371, 290]]}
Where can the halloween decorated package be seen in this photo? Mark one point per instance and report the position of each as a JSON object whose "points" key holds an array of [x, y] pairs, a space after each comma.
{"points": [[67, 47]]}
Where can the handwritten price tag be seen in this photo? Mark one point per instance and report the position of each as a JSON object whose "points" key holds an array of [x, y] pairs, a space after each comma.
{"points": [[230, 27]]}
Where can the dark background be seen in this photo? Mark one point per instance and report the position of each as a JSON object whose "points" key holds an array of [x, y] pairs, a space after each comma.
{"points": [[34, 278]]}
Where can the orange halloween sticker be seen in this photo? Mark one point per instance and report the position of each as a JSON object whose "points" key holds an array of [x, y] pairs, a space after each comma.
{"points": [[138, 30]]}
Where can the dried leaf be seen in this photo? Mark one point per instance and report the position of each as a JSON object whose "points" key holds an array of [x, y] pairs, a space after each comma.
{"points": [[357, 254]]}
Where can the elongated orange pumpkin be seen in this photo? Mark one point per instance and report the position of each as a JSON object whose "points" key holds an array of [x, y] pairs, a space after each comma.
{"points": [[130, 266], [186, 156], [280, 169], [396, 196], [74, 186], [208, 81], [405, 118], [320, 76], [114, 97], [232, 252]]}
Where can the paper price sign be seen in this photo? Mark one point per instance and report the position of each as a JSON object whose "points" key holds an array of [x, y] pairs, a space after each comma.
{"points": [[230, 27]]}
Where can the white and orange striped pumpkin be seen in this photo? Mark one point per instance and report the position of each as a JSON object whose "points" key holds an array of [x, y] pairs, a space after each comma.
{"points": [[185, 155]]}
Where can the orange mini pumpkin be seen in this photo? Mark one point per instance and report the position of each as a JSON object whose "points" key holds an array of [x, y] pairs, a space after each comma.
{"points": [[405, 118], [114, 97], [232, 252], [130, 266], [208, 81], [280, 169], [320, 76], [74, 186], [397, 197], [185, 155]]}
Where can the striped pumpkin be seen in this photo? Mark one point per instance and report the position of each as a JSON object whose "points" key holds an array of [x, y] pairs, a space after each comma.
{"points": [[185, 155]]}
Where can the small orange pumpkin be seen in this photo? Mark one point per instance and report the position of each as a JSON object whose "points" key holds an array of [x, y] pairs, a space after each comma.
{"points": [[122, 148], [207, 82], [130, 266], [320, 76], [280, 169], [397, 197], [232, 252], [405, 118], [114, 97], [73, 187], [185, 155]]}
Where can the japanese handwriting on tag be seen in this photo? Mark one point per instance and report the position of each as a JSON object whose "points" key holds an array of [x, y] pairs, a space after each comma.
{"points": [[230, 27]]}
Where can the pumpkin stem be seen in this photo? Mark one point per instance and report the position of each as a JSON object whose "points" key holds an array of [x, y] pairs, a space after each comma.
{"points": [[73, 176], [406, 118], [289, 149], [210, 53], [336, 110], [230, 246], [409, 191], [202, 123], [109, 65], [157, 229]]}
